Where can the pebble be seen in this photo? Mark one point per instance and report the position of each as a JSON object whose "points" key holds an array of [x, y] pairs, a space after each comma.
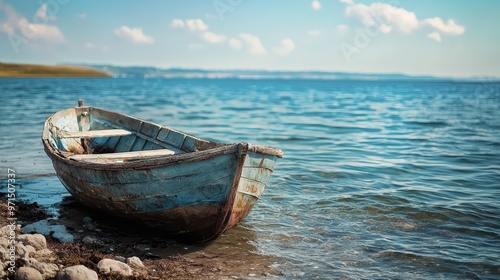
{"points": [[3, 275], [91, 240], [77, 272], [121, 259], [135, 263], [45, 255], [4, 255], [36, 261], [5, 230], [24, 251], [48, 270], [107, 266], [38, 241], [27, 273]]}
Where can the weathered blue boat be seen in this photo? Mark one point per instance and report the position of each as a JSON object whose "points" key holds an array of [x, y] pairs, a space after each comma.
{"points": [[141, 170]]}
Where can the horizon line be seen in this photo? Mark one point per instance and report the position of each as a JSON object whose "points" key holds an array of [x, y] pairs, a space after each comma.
{"points": [[487, 78]]}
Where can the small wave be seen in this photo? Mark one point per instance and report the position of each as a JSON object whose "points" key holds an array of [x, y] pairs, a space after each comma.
{"points": [[31, 176], [427, 123], [441, 264], [292, 138]]}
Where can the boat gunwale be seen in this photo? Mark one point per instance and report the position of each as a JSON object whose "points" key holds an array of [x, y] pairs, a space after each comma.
{"points": [[146, 163]]}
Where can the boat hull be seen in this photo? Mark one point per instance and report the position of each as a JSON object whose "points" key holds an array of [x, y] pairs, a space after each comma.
{"points": [[197, 194]]}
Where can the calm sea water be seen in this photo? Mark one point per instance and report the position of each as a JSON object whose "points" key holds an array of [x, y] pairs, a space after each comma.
{"points": [[380, 180]]}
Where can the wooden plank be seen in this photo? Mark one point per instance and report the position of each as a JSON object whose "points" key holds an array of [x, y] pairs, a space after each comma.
{"points": [[94, 133], [189, 144], [162, 134], [175, 139], [149, 129], [123, 156], [124, 143], [150, 146], [116, 119], [138, 144]]}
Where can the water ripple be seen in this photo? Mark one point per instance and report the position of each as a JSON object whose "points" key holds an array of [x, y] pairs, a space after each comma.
{"points": [[380, 180]]}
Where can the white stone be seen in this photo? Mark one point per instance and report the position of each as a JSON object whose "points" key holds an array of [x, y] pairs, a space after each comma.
{"points": [[23, 251], [27, 273], [135, 263], [4, 255], [107, 266], [4, 242], [77, 272], [31, 249], [44, 255], [5, 230], [38, 241], [48, 270]]}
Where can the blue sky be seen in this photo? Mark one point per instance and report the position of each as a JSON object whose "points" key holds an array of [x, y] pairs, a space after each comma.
{"points": [[445, 38]]}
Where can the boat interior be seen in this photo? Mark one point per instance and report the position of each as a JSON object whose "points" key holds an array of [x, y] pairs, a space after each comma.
{"points": [[101, 136]]}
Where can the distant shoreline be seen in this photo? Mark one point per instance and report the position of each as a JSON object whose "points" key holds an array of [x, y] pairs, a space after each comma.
{"points": [[15, 70]]}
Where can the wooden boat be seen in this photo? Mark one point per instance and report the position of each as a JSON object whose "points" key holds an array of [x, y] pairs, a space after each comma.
{"points": [[141, 170]]}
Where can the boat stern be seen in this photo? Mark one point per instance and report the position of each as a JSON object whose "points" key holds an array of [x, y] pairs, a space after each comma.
{"points": [[258, 165]]}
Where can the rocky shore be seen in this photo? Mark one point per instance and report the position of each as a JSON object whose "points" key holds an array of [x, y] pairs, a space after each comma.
{"points": [[78, 246]]}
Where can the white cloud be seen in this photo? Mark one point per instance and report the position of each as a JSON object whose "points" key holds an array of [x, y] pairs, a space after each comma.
{"points": [[196, 24], [287, 46], [191, 24], [134, 34], [384, 14], [177, 23], [388, 18], [213, 38], [89, 45], [7, 28], [448, 28], [41, 14], [235, 44], [14, 22], [313, 32], [348, 2], [44, 32], [343, 27], [386, 29], [82, 15], [253, 43], [434, 36], [316, 5]]}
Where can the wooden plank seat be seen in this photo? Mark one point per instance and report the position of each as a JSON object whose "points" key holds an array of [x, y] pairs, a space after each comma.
{"points": [[94, 133], [123, 156]]}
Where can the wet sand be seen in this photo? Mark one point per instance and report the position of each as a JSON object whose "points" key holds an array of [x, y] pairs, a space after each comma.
{"points": [[97, 237]]}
